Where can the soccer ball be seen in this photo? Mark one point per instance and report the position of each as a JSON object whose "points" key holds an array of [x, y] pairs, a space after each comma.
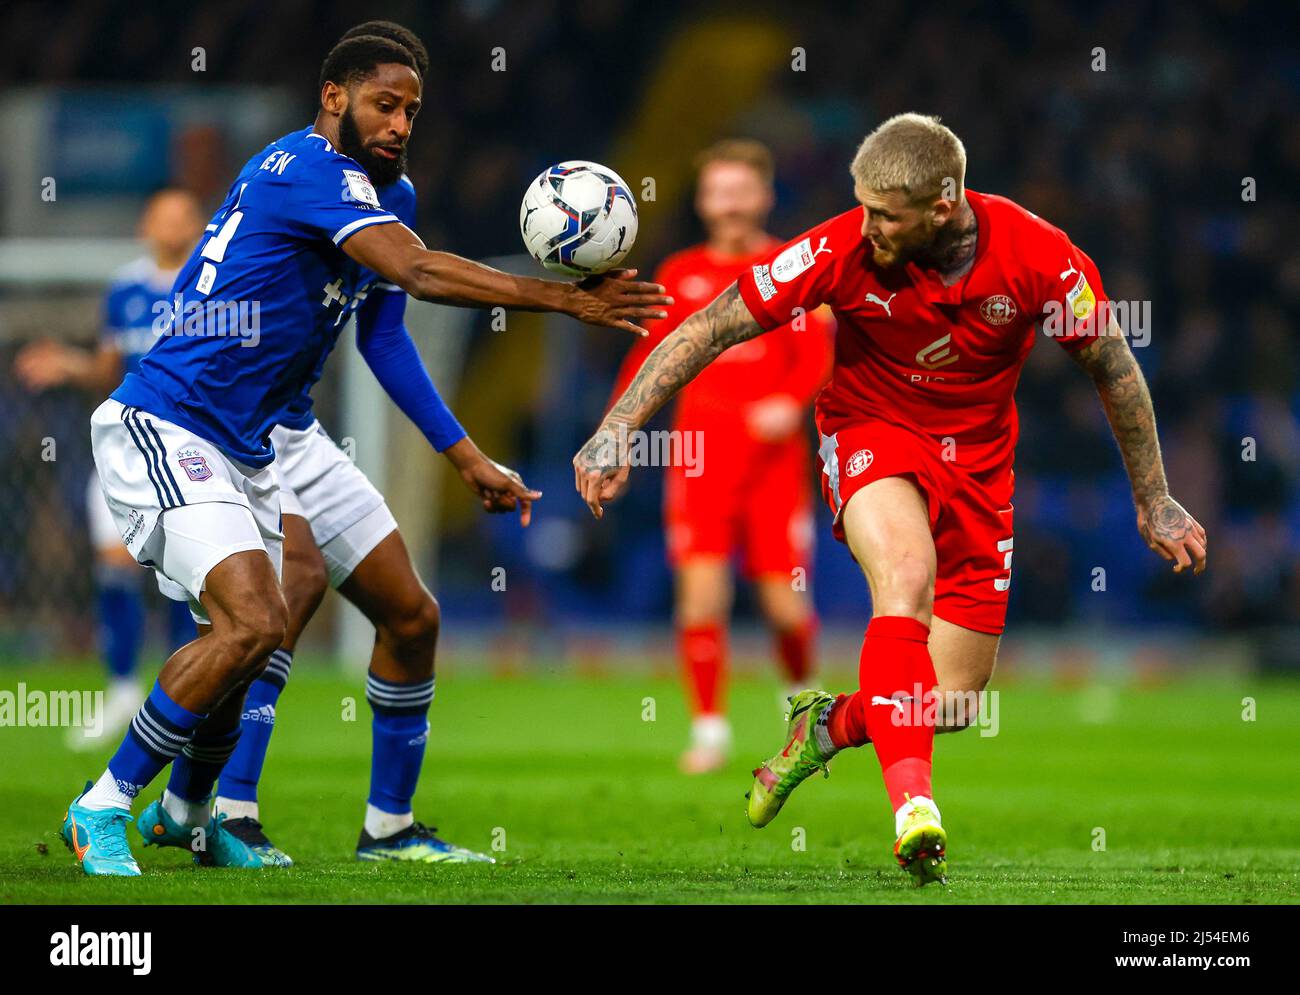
{"points": [[578, 218]]}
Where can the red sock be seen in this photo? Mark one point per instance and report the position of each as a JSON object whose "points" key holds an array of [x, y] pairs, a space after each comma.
{"points": [[704, 653], [895, 659], [846, 723], [794, 649]]}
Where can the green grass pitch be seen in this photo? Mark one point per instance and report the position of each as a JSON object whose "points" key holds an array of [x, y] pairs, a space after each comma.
{"points": [[1196, 805]]}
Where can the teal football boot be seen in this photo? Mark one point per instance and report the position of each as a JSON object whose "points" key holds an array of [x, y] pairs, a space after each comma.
{"points": [[97, 838], [250, 832], [215, 847]]}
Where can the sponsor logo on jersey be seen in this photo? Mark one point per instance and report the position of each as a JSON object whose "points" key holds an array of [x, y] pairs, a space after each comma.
{"points": [[998, 309], [938, 353], [1080, 298], [797, 258], [357, 188], [763, 281], [196, 468], [858, 462], [136, 523]]}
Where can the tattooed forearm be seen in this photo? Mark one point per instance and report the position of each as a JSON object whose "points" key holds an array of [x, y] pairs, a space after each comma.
{"points": [[1124, 395], [682, 355], [699, 340], [1164, 524]]}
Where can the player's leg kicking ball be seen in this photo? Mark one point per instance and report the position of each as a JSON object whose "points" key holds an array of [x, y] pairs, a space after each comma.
{"points": [[894, 654], [921, 843]]}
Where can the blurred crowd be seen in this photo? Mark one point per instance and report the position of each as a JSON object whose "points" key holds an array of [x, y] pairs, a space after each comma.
{"points": [[1164, 137]]}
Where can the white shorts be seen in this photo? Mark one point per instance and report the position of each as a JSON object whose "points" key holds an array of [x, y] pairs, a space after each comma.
{"points": [[103, 530], [318, 482], [179, 503]]}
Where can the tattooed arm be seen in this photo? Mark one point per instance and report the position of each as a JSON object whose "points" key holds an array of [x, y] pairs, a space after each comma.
{"points": [[1164, 524], [600, 469]]}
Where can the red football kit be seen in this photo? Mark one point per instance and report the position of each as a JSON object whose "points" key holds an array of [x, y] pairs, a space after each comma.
{"points": [[924, 375], [746, 495]]}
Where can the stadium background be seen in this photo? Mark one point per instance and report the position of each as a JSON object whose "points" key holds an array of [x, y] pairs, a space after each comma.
{"points": [[1143, 163]]}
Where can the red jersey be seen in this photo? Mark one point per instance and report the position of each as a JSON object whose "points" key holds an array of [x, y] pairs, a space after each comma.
{"points": [[941, 360], [785, 361]]}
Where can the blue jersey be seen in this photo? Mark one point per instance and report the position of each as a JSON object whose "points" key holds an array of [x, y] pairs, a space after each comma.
{"points": [[137, 305], [260, 303], [397, 197]]}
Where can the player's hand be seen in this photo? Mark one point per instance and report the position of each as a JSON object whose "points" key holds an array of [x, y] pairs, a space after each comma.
{"points": [[1170, 531], [774, 418], [615, 300], [42, 365], [600, 469], [499, 488]]}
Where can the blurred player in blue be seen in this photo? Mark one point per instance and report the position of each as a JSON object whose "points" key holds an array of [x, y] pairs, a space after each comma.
{"points": [[169, 226], [185, 454]]}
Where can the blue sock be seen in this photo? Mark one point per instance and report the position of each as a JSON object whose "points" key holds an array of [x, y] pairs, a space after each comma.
{"points": [[400, 731], [244, 770], [195, 771], [157, 734], [120, 604], [180, 624]]}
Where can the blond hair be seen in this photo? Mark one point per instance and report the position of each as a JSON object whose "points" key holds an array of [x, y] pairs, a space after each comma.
{"points": [[749, 151], [914, 154]]}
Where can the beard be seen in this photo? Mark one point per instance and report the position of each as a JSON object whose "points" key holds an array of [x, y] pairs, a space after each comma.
{"points": [[382, 171]]}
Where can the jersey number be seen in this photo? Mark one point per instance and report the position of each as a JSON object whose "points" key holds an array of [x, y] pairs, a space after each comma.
{"points": [[1004, 583], [215, 250]]}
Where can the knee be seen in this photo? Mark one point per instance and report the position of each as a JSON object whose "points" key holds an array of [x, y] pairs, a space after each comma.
{"points": [[412, 627], [256, 633], [959, 708], [904, 587], [307, 578], [785, 609], [700, 611]]}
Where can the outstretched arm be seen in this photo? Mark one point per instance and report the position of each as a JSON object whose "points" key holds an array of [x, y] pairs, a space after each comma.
{"points": [[600, 467], [1164, 524], [388, 350], [397, 254]]}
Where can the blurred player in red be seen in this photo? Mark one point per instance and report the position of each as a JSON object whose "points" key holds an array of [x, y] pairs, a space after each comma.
{"points": [[750, 496], [939, 293]]}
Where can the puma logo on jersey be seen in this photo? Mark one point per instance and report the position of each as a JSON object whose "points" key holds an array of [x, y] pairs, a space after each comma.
{"points": [[878, 700], [1065, 274], [938, 353], [873, 299], [821, 247]]}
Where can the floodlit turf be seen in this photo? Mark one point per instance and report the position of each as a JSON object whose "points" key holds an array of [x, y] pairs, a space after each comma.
{"points": [[1196, 805]]}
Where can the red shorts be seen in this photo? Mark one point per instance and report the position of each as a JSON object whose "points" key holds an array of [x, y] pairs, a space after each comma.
{"points": [[756, 503], [970, 512]]}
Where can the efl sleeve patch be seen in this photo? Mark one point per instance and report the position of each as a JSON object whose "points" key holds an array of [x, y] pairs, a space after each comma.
{"points": [[1080, 298], [357, 188]]}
